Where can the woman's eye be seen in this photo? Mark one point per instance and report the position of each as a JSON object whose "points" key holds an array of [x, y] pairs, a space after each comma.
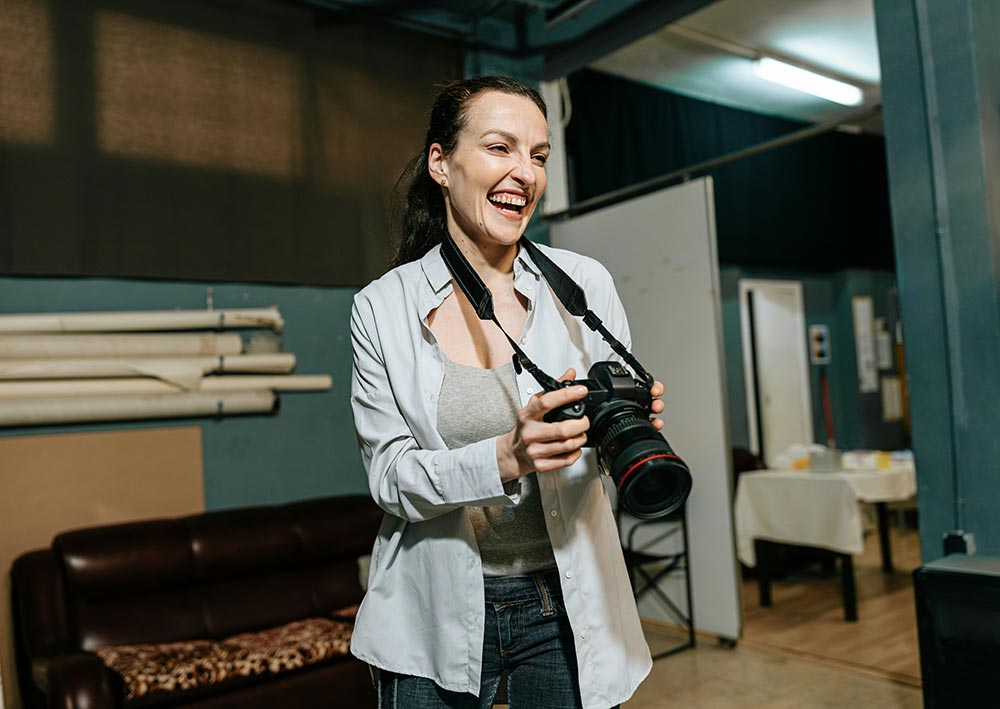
{"points": [[499, 148]]}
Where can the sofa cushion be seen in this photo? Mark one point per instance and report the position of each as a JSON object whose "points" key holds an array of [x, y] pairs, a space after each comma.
{"points": [[151, 670], [287, 647], [167, 667]]}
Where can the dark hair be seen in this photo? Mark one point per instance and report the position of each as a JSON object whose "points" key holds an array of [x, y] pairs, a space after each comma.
{"points": [[419, 213]]}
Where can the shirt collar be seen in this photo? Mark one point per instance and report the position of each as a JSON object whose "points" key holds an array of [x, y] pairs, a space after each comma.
{"points": [[438, 276], [435, 269]]}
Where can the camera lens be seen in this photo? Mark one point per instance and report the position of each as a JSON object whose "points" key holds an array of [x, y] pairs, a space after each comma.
{"points": [[652, 480]]}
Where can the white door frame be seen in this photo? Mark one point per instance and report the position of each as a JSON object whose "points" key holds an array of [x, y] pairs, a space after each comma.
{"points": [[745, 286]]}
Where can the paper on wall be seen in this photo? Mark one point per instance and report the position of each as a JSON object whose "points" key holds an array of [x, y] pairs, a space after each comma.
{"points": [[892, 399], [883, 341], [864, 343]]}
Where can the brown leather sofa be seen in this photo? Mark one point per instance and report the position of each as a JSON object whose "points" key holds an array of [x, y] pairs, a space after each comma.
{"points": [[205, 577]]}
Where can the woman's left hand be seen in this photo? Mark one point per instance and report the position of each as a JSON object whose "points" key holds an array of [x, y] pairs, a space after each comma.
{"points": [[657, 392]]}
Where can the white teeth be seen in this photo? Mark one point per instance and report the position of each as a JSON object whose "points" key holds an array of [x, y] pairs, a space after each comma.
{"points": [[504, 198]]}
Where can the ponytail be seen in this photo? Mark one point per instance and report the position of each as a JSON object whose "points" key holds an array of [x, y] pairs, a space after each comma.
{"points": [[419, 212]]}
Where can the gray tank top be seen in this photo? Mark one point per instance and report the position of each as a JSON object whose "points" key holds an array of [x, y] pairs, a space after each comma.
{"points": [[476, 404]]}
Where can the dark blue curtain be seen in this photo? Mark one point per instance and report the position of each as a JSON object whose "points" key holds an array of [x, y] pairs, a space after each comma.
{"points": [[821, 203]]}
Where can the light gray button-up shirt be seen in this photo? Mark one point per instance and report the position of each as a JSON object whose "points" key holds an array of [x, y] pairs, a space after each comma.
{"points": [[424, 610]]}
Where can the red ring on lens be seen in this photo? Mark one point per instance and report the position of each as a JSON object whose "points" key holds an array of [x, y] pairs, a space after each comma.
{"points": [[645, 460]]}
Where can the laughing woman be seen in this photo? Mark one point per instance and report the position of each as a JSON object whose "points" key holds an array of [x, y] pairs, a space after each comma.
{"points": [[498, 555]]}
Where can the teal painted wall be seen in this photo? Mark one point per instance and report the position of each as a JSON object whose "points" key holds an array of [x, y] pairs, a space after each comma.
{"points": [[857, 418], [863, 426], [307, 450]]}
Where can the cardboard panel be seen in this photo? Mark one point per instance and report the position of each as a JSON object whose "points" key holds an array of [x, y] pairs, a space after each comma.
{"points": [[51, 483]]}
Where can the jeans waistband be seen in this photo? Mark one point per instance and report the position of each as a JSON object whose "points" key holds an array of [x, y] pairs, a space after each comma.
{"points": [[540, 585]]}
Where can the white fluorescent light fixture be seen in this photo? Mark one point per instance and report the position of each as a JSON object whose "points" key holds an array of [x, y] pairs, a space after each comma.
{"points": [[807, 81]]}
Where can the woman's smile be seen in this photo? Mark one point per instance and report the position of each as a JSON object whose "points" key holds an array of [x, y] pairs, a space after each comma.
{"points": [[509, 204]]}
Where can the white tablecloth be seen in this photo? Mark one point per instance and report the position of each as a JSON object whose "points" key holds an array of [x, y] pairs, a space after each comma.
{"points": [[812, 509]]}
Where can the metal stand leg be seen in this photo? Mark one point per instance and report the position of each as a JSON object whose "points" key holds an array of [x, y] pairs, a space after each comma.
{"points": [[847, 583], [763, 550], [687, 579], [885, 541], [643, 582]]}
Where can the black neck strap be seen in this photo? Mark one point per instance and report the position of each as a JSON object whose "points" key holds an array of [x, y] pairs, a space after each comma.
{"points": [[571, 295], [566, 289], [482, 300]]}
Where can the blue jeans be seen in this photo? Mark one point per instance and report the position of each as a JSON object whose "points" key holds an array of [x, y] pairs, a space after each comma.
{"points": [[528, 638]]}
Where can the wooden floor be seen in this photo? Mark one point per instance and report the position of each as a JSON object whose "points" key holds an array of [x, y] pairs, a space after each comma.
{"points": [[806, 619], [713, 677]]}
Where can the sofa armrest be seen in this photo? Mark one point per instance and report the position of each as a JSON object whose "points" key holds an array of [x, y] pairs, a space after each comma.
{"points": [[81, 681], [39, 604]]}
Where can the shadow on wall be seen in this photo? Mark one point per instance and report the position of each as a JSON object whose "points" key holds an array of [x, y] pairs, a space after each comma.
{"points": [[178, 139]]}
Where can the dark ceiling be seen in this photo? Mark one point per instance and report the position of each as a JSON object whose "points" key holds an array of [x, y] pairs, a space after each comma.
{"points": [[565, 35]]}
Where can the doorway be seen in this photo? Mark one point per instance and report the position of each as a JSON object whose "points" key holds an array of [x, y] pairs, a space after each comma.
{"points": [[775, 362]]}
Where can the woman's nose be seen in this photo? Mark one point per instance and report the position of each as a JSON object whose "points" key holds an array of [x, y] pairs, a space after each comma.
{"points": [[524, 171]]}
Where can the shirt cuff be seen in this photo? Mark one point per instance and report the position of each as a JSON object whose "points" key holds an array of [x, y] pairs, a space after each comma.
{"points": [[473, 476]]}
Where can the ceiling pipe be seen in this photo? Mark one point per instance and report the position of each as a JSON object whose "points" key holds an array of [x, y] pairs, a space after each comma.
{"points": [[464, 37], [565, 11], [712, 40]]}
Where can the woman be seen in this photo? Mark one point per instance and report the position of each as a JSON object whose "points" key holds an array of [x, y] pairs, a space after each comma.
{"points": [[499, 554]]}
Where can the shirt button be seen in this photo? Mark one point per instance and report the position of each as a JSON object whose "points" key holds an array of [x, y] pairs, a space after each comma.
{"points": [[524, 340], [569, 574], [530, 390], [583, 634], [554, 513]]}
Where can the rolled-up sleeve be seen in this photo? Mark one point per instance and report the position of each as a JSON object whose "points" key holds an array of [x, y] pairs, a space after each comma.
{"points": [[406, 480]]}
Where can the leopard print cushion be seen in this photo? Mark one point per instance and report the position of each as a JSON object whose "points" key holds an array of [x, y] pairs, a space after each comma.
{"points": [[181, 666], [288, 647], [167, 667]]}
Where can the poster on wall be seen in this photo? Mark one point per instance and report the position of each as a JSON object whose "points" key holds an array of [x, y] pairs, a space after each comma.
{"points": [[892, 399], [864, 343], [883, 341]]}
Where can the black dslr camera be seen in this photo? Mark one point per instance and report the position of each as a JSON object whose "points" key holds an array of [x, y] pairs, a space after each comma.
{"points": [[652, 480]]}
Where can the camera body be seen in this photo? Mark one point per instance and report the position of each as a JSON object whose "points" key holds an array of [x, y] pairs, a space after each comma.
{"points": [[606, 382], [652, 480]]}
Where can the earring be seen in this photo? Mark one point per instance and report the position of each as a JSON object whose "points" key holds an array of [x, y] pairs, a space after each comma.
{"points": [[444, 181]]}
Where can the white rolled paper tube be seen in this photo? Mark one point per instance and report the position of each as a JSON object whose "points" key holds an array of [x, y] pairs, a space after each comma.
{"points": [[35, 412], [111, 345], [270, 363], [180, 368], [144, 320], [139, 385]]}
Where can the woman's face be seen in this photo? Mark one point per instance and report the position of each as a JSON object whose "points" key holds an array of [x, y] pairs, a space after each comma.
{"points": [[496, 174]]}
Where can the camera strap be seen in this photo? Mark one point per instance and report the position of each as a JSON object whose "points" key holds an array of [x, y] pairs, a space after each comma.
{"points": [[482, 300], [569, 293]]}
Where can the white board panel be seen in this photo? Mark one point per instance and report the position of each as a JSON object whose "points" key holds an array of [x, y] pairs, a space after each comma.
{"points": [[660, 249]]}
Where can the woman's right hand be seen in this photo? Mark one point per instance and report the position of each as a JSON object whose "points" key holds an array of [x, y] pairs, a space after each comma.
{"points": [[535, 444]]}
